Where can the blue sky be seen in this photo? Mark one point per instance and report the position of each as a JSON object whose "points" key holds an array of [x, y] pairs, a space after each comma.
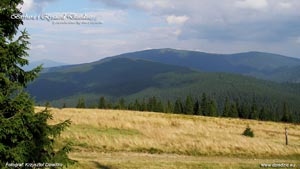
{"points": [[217, 26]]}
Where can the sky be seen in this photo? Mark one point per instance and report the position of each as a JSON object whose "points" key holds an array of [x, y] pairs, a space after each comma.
{"points": [[104, 28]]}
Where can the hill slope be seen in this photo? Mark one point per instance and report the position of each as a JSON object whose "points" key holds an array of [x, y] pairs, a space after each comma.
{"points": [[257, 64], [134, 78], [129, 139], [119, 77]]}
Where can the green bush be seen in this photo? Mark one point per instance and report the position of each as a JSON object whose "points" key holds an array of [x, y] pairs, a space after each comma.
{"points": [[248, 132]]}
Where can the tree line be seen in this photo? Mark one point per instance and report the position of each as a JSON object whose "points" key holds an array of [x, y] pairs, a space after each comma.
{"points": [[204, 106]]}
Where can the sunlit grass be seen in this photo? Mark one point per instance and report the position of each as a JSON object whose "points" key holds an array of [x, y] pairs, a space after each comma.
{"points": [[120, 131]]}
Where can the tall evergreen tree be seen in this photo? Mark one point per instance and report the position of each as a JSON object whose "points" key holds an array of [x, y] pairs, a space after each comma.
{"points": [[226, 108], [263, 114], [102, 103], [109, 105], [25, 136], [143, 106], [244, 111], [152, 103], [233, 112], [212, 108], [169, 107], [239, 107], [136, 105], [120, 104], [159, 107], [197, 108], [188, 108], [254, 110], [64, 105], [204, 104], [81, 103], [178, 108], [286, 117]]}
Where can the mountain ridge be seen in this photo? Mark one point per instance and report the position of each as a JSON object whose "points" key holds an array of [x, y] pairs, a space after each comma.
{"points": [[256, 64], [263, 65]]}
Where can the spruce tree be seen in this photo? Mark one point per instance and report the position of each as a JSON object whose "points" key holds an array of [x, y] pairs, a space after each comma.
{"points": [[25, 136], [102, 103], [233, 110], [159, 107], [197, 109], [204, 105], [152, 103], [212, 108], [254, 111], [286, 117], [64, 105], [226, 109], [109, 105], [248, 132], [143, 106], [121, 104], [81, 103], [169, 107], [263, 114], [244, 111], [188, 108], [178, 108], [136, 105]]}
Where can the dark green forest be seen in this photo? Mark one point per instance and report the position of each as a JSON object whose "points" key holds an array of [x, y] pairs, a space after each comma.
{"points": [[203, 105], [136, 81]]}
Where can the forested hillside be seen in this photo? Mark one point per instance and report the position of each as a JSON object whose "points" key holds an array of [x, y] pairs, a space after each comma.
{"points": [[130, 79], [257, 64]]}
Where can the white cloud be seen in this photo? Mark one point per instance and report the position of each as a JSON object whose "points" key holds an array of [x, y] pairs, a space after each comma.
{"points": [[97, 31], [284, 5], [35, 5], [147, 48], [225, 26], [252, 4], [177, 32], [27, 5], [150, 5], [106, 17], [172, 19]]}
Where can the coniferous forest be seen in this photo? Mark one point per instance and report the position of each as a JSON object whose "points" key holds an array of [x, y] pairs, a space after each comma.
{"points": [[151, 86], [203, 105]]}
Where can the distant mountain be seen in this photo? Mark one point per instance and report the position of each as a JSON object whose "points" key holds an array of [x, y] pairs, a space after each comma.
{"points": [[119, 77], [132, 78], [46, 64], [257, 64]]}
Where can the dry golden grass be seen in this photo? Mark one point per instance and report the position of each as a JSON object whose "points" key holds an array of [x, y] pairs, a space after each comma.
{"points": [[119, 131]]}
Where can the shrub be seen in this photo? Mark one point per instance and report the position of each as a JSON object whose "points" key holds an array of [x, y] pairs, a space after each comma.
{"points": [[248, 132]]}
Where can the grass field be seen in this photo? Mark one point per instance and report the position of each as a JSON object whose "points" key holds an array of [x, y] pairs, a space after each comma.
{"points": [[129, 139]]}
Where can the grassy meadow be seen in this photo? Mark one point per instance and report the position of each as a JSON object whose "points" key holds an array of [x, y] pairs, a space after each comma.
{"points": [[117, 139]]}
